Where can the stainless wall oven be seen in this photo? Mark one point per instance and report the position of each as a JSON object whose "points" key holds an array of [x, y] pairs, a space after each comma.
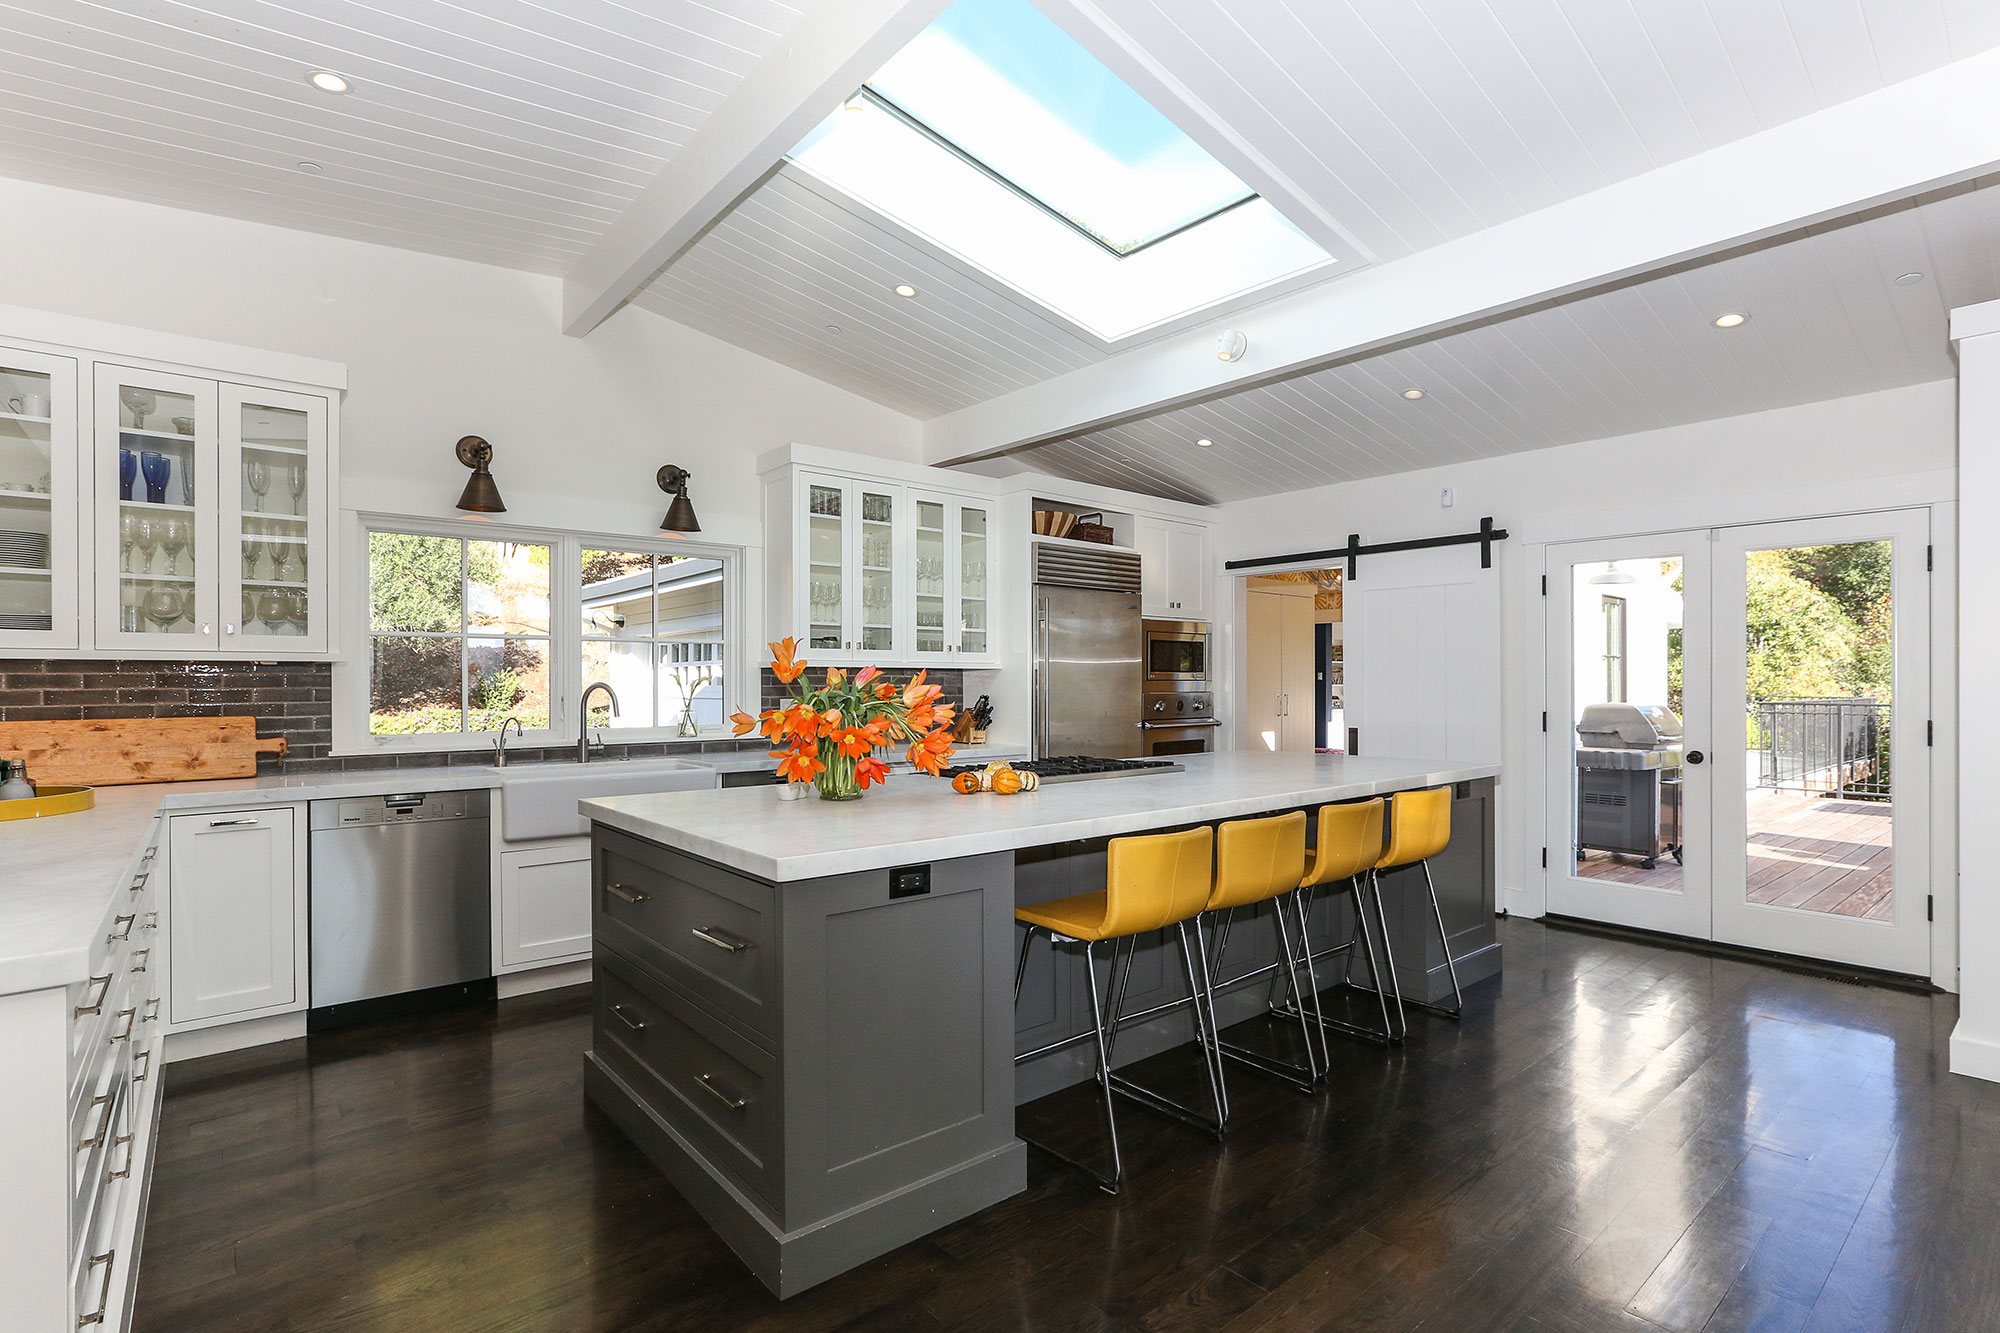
{"points": [[1176, 654]]}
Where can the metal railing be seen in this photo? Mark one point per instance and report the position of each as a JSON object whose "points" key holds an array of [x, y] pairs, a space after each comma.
{"points": [[1835, 746]]}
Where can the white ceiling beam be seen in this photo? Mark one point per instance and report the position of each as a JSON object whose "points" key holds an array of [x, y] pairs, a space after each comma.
{"points": [[823, 59], [1937, 129]]}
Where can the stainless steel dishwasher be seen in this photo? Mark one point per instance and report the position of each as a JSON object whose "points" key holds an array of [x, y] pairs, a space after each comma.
{"points": [[401, 896]]}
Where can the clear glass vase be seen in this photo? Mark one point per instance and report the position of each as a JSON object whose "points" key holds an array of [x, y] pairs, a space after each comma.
{"points": [[837, 781]]}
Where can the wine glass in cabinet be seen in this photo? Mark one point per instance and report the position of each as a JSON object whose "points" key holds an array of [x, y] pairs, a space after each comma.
{"points": [[154, 458], [272, 498], [38, 501]]}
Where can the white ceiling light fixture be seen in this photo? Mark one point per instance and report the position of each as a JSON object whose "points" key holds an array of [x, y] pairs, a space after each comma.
{"points": [[1231, 345], [327, 81], [905, 289], [1611, 575], [311, 168], [1910, 279], [1206, 444], [1730, 319], [833, 328], [1413, 393]]}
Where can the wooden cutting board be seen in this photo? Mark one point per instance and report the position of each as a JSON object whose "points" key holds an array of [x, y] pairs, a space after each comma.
{"points": [[121, 751]]}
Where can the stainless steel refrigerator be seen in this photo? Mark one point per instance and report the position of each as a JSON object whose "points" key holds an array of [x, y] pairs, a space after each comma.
{"points": [[1089, 675]]}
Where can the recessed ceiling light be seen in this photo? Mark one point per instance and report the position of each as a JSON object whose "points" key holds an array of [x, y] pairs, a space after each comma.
{"points": [[1731, 319], [1909, 279], [905, 289], [311, 168], [1206, 444], [833, 328], [1413, 393], [327, 81]]}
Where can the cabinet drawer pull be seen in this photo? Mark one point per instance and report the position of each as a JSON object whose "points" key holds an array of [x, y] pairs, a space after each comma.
{"points": [[713, 935], [152, 921], [151, 852], [103, 1122], [251, 822], [140, 958], [140, 1075], [152, 1010], [720, 1093], [636, 1024], [139, 881], [130, 1152], [630, 895], [106, 1261], [130, 1016], [96, 1006], [125, 934]]}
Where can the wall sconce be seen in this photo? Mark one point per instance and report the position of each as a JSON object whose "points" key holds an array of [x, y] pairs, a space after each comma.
{"points": [[680, 514], [480, 496]]}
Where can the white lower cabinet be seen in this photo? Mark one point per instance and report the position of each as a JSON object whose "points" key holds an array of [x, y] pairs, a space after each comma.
{"points": [[236, 915], [78, 1122], [544, 914]]}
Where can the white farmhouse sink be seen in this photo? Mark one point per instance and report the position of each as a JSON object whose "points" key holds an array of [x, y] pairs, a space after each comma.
{"points": [[539, 800]]}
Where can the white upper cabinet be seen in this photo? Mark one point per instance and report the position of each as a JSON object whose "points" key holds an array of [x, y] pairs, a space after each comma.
{"points": [[877, 573], [39, 502], [273, 519], [1174, 574]]}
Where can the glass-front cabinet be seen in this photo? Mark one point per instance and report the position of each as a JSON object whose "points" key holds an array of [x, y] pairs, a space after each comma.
{"points": [[38, 501], [210, 515], [883, 575]]}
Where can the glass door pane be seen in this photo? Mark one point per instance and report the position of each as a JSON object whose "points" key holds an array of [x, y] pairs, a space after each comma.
{"points": [[271, 509], [878, 575], [972, 614], [156, 442], [1628, 675], [826, 567], [1818, 623], [33, 523], [932, 577]]}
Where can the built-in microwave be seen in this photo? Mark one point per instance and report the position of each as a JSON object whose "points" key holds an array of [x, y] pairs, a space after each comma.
{"points": [[1176, 654]]}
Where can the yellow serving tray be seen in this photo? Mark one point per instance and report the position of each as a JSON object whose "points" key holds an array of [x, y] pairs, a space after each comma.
{"points": [[51, 801]]}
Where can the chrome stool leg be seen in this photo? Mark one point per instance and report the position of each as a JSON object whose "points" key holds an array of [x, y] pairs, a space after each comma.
{"points": [[1362, 938], [1305, 1078], [1154, 1101]]}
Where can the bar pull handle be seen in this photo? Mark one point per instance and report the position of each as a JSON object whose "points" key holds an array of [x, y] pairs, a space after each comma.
{"points": [[105, 1261], [152, 1010], [636, 1024], [139, 881], [103, 1122], [629, 894], [124, 1140], [103, 985], [720, 1093], [130, 1016], [713, 935], [140, 1075], [140, 958], [124, 934], [233, 823]]}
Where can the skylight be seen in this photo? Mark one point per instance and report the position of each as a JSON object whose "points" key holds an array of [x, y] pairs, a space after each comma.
{"points": [[996, 136]]}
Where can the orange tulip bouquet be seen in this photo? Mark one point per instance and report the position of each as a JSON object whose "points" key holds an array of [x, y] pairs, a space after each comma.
{"points": [[828, 736]]}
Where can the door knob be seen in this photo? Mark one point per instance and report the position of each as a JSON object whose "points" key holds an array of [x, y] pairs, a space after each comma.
{"points": [[1694, 756]]}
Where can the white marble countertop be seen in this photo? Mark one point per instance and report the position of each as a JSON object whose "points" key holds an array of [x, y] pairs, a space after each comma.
{"points": [[57, 874], [912, 819]]}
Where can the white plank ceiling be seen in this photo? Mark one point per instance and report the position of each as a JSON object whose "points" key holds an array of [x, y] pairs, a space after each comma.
{"points": [[505, 131], [1827, 319], [1410, 123]]}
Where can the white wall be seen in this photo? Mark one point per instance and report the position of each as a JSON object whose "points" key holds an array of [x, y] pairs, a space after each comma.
{"points": [[1815, 458], [438, 348]]}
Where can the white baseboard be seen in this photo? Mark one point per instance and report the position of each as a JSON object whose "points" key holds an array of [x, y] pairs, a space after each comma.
{"points": [[508, 985], [1975, 1057], [234, 1036]]}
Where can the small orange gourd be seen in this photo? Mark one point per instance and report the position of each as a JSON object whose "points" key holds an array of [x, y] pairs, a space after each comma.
{"points": [[1006, 782], [966, 784]]}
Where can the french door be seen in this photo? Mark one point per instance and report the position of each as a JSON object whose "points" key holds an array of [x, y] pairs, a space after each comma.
{"points": [[1791, 814]]}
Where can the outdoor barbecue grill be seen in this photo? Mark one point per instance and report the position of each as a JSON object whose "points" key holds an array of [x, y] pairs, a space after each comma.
{"points": [[1628, 781]]}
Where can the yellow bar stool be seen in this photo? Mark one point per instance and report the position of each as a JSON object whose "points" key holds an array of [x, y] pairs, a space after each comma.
{"points": [[1263, 861], [1150, 883], [1419, 828], [1345, 853]]}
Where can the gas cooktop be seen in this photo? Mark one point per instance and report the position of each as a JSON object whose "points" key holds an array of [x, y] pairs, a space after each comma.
{"points": [[1081, 768]]}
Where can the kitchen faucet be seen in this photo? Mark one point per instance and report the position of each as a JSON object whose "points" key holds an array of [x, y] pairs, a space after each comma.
{"points": [[583, 726], [500, 740]]}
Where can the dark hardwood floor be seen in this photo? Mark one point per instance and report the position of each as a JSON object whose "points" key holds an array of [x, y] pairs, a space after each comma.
{"points": [[1620, 1136]]}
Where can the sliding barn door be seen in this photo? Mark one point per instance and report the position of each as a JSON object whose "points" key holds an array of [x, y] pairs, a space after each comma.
{"points": [[1423, 660]]}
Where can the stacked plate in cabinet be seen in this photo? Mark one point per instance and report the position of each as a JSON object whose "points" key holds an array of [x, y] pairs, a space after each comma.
{"points": [[26, 550]]}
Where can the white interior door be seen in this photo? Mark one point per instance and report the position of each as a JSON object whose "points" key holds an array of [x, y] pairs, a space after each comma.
{"points": [[1422, 674], [1821, 649], [1628, 622]]}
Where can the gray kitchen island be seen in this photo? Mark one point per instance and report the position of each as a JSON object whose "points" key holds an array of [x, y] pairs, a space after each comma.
{"points": [[805, 1011]]}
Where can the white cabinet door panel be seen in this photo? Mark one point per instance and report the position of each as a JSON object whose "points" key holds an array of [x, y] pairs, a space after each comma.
{"points": [[234, 920], [544, 905]]}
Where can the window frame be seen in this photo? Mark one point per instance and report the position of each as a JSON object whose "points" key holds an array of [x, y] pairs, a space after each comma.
{"points": [[1616, 614], [351, 734]]}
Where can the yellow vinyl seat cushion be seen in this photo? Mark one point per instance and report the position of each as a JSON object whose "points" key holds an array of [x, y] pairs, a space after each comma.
{"points": [[1149, 882], [1350, 842], [1419, 827], [1258, 859]]}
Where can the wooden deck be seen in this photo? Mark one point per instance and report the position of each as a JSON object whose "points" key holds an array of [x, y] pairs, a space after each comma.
{"points": [[1808, 852]]}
